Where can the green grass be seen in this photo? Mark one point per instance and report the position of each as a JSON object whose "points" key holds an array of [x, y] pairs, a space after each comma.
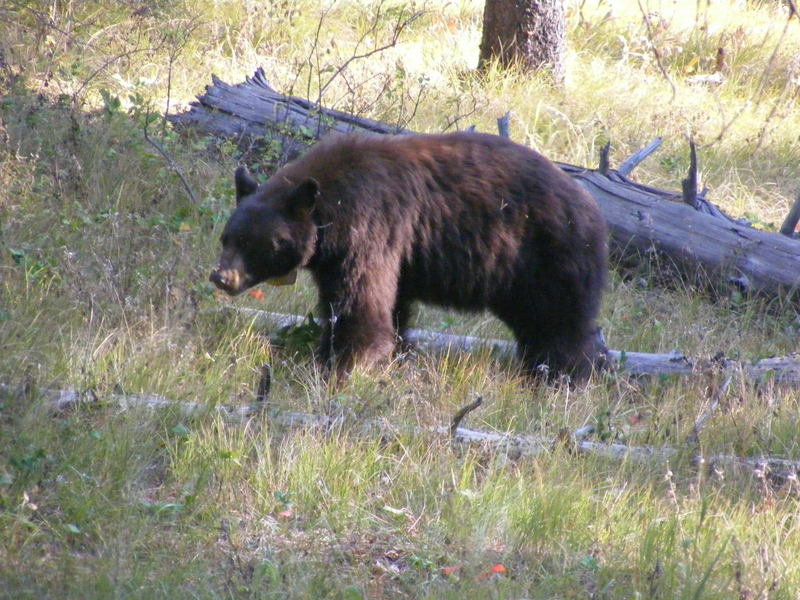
{"points": [[103, 288]]}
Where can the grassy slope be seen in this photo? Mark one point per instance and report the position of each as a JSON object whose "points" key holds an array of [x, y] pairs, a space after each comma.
{"points": [[103, 262]]}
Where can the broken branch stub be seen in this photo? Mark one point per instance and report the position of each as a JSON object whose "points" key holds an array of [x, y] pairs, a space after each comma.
{"points": [[790, 223], [689, 185], [633, 161]]}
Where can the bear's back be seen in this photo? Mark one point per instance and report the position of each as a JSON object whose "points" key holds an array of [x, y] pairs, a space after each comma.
{"points": [[458, 211], [436, 174]]}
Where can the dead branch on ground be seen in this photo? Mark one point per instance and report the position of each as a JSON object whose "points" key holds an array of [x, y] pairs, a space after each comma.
{"points": [[505, 446]]}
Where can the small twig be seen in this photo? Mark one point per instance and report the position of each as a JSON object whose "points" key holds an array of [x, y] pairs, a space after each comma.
{"points": [[694, 437], [169, 160], [790, 223], [630, 163], [313, 52], [264, 383], [604, 162], [460, 116], [235, 554], [463, 412], [689, 185]]}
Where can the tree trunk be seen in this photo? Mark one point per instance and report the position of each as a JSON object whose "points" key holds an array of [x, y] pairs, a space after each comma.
{"points": [[531, 33]]}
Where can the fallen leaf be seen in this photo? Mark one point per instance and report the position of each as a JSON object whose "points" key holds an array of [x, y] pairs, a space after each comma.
{"points": [[257, 294], [450, 571], [497, 569], [286, 514]]}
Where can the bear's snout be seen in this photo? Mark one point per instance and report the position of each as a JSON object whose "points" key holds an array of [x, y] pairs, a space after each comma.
{"points": [[227, 280]]}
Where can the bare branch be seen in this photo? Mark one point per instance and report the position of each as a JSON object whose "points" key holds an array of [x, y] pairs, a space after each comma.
{"points": [[180, 39], [463, 412], [175, 167], [793, 9], [790, 223], [399, 27], [102, 68], [505, 445]]}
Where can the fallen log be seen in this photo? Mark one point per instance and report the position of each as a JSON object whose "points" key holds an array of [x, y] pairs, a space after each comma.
{"points": [[505, 446], [783, 371], [644, 221], [253, 111]]}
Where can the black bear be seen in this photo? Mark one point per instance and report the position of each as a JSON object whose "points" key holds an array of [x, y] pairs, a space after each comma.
{"points": [[463, 220]]}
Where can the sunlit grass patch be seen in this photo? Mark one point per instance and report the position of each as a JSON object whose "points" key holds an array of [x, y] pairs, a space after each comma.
{"points": [[104, 260]]}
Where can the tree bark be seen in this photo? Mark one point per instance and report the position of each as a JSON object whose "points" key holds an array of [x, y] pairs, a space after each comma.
{"points": [[701, 243], [530, 33]]}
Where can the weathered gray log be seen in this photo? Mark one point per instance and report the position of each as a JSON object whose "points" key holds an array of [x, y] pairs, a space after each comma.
{"points": [[503, 445], [782, 370], [643, 220], [253, 111]]}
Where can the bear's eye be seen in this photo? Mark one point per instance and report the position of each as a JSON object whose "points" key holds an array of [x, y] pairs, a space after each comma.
{"points": [[281, 244]]}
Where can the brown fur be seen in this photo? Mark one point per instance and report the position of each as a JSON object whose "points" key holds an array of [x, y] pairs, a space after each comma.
{"points": [[463, 220]]}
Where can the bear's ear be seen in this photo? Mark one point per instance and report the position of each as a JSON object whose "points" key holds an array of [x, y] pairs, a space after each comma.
{"points": [[245, 183], [301, 201]]}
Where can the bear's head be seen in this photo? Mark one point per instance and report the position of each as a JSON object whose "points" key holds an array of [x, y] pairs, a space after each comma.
{"points": [[270, 235]]}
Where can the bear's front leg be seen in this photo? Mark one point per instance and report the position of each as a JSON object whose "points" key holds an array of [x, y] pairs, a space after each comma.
{"points": [[359, 340]]}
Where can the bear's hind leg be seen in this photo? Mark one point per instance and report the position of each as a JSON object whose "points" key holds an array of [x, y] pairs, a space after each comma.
{"points": [[563, 347], [400, 318]]}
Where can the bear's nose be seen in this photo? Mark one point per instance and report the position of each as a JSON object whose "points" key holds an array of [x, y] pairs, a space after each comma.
{"points": [[218, 279]]}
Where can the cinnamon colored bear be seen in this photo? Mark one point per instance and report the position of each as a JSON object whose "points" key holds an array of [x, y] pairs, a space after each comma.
{"points": [[463, 220]]}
